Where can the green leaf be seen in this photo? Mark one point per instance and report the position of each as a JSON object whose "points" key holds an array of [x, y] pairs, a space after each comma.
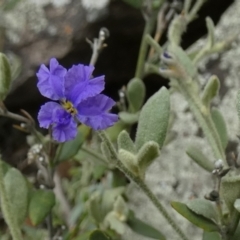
{"points": [[210, 90], [211, 236], [154, 118], [197, 156], [236, 235], [129, 160], [204, 208], [109, 197], [95, 210], [211, 37], [114, 131], [41, 203], [237, 205], [146, 155], [181, 56], [129, 118], [5, 76], [99, 235], [114, 223], [143, 228], [194, 218], [125, 142], [134, 3], [17, 191], [69, 149], [220, 125], [230, 190], [136, 92]]}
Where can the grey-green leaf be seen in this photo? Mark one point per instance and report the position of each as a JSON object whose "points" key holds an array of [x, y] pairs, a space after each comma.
{"points": [[204, 208], [198, 157], [136, 94], [154, 118], [17, 191], [211, 37], [143, 228], [129, 160], [211, 236], [69, 149], [220, 125], [237, 205], [230, 189], [5, 76], [41, 203], [198, 220], [125, 142], [129, 118], [99, 235], [210, 90], [146, 155]]}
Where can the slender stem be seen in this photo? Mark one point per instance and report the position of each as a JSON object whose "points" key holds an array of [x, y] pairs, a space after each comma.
{"points": [[144, 46], [50, 226], [204, 119], [234, 223], [97, 156], [7, 211], [141, 185]]}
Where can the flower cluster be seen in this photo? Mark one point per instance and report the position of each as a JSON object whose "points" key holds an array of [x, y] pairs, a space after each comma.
{"points": [[79, 100]]}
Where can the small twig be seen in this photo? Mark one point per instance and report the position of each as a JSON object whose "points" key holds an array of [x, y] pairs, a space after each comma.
{"points": [[60, 195], [161, 26], [98, 44]]}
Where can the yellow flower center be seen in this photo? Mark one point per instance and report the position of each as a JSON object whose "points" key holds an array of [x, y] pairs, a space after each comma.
{"points": [[68, 106]]}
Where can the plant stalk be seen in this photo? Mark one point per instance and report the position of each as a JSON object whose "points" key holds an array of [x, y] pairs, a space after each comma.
{"points": [[204, 119], [139, 182]]}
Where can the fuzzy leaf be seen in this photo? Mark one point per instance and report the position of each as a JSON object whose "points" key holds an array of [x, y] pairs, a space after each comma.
{"points": [[125, 142], [69, 149], [204, 208], [120, 207], [211, 37], [194, 218], [211, 236], [114, 223], [135, 93], [129, 160], [237, 205], [230, 189], [114, 131], [146, 155], [211, 90], [142, 228], [98, 235], [198, 157], [95, 209], [5, 76], [17, 191], [183, 59], [109, 197], [41, 203], [129, 118], [220, 125], [154, 118]]}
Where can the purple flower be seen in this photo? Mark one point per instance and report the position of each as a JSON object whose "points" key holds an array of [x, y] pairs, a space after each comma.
{"points": [[79, 100]]}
